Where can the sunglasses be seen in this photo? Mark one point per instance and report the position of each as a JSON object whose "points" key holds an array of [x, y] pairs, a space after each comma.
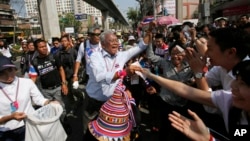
{"points": [[95, 34]]}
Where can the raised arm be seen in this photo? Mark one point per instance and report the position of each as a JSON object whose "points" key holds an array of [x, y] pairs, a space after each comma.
{"points": [[181, 89]]}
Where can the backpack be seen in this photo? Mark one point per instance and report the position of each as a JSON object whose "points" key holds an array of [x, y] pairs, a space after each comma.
{"points": [[68, 68], [83, 77]]}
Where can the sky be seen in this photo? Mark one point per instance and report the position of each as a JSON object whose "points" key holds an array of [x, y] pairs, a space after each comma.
{"points": [[124, 4]]}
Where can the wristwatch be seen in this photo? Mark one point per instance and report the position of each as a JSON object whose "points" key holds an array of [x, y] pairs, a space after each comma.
{"points": [[198, 75], [64, 83]]}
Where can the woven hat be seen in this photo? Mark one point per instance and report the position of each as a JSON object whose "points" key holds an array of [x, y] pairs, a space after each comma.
{"points": [[113, 122]]}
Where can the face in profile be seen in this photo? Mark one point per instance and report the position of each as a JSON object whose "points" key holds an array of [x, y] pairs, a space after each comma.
{"points": [[217, 57]]}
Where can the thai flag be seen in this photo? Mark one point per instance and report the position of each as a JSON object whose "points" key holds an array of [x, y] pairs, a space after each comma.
{"points": [[32, 71], [147, 20]]}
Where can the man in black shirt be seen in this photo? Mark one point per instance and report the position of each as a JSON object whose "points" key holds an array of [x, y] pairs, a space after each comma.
{"points": [[67, 56], [50, 72]]}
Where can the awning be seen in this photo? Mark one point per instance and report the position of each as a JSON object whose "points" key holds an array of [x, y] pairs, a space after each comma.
{"points": [[236, 10]]}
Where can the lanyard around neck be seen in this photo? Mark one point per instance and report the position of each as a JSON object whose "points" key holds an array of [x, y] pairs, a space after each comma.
{"points": [[17, 89], [107, 65]]}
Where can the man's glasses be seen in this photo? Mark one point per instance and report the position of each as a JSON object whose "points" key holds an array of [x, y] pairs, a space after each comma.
{"points": [[95, 34]]}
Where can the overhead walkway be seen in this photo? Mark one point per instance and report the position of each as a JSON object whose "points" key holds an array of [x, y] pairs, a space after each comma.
{"points": [[108, 8]]}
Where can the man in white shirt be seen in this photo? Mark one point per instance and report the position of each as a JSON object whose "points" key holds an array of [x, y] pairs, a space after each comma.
{"points": [[15, 94]]}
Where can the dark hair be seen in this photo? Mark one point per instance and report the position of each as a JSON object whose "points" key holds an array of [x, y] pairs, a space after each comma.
{"points": [[38, 41], [4, 43], [159, 36], [228, 38], [190, 24], [30, 42], [242, 69], [244, 16], [55, 39], [65, 36]]}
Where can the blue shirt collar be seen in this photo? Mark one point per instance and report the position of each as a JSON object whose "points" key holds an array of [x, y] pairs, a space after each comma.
{"points": [[105, 53]]}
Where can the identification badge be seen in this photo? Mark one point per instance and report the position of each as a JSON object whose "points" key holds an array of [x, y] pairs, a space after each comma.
{"points": [[134, 80], [14, 106]]}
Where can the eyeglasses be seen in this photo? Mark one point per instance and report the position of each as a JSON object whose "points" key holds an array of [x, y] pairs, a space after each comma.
{"points": [[113, 41], [95, 34]]}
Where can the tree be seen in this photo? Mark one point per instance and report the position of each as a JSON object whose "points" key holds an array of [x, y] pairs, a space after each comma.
{"points": [[133, 15], [68, 20]]}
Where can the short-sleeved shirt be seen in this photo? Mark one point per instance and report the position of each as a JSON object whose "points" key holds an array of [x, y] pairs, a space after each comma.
{"points": [[47, 69], [223, 101], [67, 59]]}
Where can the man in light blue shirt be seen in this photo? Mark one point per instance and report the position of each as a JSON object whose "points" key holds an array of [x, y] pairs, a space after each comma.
{"points": [[104, 73], [85, 50]]}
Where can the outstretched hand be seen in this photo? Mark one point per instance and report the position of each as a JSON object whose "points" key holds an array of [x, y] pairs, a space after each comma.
{"points": [[130, 70], [193, 129], [146, 72], [18, 116]]}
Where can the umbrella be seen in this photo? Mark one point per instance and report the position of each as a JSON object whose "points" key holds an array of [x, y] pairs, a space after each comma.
{"points": [[166, 20]]}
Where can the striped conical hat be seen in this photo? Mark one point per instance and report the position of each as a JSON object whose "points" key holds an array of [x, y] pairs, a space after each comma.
{"points": [[113, 122]]}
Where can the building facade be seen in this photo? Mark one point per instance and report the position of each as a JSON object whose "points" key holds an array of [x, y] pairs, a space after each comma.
{"points": [[169, 7], [6, 19], [82, 7], [232, 9]]}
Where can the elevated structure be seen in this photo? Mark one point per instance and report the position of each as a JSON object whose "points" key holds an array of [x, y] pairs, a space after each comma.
{"points": [[49, 16], [108, 8]]}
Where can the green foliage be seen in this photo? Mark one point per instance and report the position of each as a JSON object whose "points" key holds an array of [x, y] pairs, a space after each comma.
{"points": [[68, 20], [133, 14]]}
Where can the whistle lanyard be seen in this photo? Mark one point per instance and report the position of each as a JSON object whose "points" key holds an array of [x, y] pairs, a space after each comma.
{"points": [[17, 89]]}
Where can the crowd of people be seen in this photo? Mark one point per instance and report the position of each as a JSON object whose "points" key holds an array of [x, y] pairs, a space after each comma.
{"points": [[193, 80]]}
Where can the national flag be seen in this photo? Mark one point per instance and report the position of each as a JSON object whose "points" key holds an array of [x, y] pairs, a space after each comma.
{"points": [[147, 20], [32, 71]]}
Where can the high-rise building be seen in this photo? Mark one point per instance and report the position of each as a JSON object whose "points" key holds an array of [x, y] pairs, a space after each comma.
{"points": [[63, 6], [81, 7], [6, 17]]}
